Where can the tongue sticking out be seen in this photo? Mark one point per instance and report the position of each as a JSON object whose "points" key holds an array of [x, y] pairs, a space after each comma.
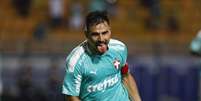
{"points": [[102, 48]]}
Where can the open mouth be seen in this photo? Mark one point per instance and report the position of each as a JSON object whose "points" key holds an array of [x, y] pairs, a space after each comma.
{"points": [[102, 47]]}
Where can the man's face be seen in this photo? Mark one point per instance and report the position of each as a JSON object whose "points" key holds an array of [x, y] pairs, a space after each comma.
{"points": [[98, 37]]}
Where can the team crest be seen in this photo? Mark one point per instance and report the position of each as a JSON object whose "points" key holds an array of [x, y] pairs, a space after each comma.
{"points": [[116, 63]]}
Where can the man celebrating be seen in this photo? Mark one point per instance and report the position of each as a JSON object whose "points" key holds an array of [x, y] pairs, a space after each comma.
{"points": [[96, 70]]}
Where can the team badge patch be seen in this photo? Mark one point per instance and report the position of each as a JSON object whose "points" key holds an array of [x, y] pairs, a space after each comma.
{"points": [[116, 63]]}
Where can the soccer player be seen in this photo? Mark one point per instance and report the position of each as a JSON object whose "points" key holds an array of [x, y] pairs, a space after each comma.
{"points": [[96, 70]]}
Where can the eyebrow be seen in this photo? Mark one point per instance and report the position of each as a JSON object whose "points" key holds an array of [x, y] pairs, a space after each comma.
{"points": [[104, 32], [96, 33]]}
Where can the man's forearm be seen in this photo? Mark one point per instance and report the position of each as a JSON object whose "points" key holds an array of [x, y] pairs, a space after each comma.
{"points": [[72, 98], [130, 84]]}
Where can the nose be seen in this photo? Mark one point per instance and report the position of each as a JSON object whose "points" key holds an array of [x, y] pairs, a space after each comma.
{"points": [[101, 37]]}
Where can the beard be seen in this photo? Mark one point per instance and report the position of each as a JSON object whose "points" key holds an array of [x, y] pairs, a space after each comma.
{"points": [[101, 47]]}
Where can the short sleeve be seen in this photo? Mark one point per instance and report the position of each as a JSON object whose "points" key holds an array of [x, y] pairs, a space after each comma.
{"points": [[121, 50], [124, 55], [72, 80]]}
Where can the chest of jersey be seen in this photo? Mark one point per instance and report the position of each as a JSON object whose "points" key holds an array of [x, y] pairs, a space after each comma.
{"points": [[102, 67], [101, 73], [97, 68]]}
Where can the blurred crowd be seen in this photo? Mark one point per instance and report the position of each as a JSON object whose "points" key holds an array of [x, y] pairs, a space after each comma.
{"points": [[34, 21], [27, 83], [70, 13]]}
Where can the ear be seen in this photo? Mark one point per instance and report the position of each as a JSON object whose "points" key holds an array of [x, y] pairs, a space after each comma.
{"points": [[86, 31], [86, 34]]}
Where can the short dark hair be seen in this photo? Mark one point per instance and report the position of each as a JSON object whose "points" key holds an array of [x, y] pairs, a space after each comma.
{"points": [[94, 18]]}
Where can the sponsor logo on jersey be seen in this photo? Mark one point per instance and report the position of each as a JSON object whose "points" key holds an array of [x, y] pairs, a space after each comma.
{"points": [[108, 82]]}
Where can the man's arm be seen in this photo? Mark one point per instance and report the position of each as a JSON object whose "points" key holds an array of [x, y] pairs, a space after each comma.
{"points": [[72, 98], [130, 84]]}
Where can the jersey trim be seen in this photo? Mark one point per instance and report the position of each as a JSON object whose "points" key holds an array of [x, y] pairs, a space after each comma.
{"points": [[116, 42], [75, 57]]}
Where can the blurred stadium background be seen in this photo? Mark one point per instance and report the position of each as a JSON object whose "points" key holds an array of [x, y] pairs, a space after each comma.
{"points": [[36, 36]]}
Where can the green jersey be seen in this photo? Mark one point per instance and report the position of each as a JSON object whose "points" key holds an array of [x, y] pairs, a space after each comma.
{"points": [[96, 77]]}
